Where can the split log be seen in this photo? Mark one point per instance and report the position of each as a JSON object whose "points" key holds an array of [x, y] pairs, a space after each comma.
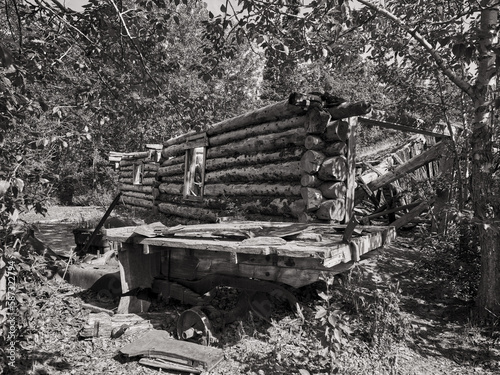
{"points": [[253, 131], [261, 143], [316, 121], [171, 170], [333, 169], [337, 131], [103, 325], [331, 210], [271, 112], [312, 198], [252, 189], [309, 180], [260, 158], [311, 161], [138, 202], [265, 173], [336, 149], [169, 188], [345, 110], [333, 190], [416, 162], [139, 188], [188, 212], [313, 142], [174, 161]]}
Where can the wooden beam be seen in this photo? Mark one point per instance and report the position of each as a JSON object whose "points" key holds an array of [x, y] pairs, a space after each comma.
{"points": [[433, 153], [403, 220], [403, 128]]}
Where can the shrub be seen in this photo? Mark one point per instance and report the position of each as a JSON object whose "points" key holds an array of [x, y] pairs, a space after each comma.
{"points": [[453, 258]]}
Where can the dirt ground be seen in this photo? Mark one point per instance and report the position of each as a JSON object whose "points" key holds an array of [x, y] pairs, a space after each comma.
{"points": [[440, 337]]}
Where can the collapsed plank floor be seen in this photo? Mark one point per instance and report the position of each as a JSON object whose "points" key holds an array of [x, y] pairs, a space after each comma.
{"points": [[288, 253]]}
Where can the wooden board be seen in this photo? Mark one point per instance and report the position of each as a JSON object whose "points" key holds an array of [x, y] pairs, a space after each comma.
{"points": [[159, 344], [331, 247]]}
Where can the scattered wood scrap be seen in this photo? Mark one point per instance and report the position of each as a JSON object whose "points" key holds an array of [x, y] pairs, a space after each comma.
{"points": [[103, 325], [162, 351]]}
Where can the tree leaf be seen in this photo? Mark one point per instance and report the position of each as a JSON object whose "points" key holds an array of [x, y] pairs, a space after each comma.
{"points": [[4, 186], [320, 313]]}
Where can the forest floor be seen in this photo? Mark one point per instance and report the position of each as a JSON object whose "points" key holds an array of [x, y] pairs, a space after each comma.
{"points": [[400, 322]]}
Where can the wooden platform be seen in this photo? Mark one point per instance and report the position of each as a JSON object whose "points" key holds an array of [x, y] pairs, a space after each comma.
{"points": [[289, 253]]}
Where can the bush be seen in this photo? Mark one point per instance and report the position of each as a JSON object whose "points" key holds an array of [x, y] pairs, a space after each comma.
{"points": [[454, 258]]}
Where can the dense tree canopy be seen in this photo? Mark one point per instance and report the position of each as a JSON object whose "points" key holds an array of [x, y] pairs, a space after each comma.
{"points": [[121, 74]]}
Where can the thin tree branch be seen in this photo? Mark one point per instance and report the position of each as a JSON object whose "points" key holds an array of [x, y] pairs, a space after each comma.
{"points": [[141, 57], [463, 85]]}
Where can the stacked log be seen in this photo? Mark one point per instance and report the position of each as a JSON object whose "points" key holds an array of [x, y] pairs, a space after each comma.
{"points": [[252, 167], [326, 168], [284, 161], [138, 178]]}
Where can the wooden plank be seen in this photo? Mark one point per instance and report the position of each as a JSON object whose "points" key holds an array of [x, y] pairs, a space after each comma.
{"points": [[159, 344], [414, 163], [403, 128], [137, 270], [331, 246]]}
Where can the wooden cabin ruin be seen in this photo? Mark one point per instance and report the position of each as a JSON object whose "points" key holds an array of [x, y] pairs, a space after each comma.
{"points": [[290, 161], [268, 198]]}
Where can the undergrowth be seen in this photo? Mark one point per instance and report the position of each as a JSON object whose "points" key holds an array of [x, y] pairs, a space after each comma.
{"points": [[349, 328], [452, 258]]}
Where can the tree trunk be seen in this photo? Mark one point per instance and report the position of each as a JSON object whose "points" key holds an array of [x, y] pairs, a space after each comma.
{"points": [[483, 190]]}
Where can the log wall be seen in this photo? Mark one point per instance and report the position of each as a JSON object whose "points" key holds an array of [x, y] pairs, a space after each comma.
{"points": [[282, 162], [285, 162], [141, 193]]}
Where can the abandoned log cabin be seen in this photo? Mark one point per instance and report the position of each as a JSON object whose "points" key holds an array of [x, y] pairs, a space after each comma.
{"points": [[289, 161]]}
